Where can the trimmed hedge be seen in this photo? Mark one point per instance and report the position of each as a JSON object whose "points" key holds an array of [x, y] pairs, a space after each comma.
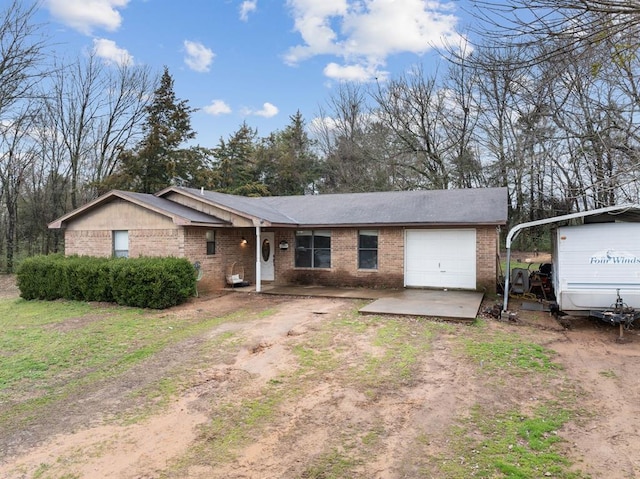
{"points": [[141, 282]]}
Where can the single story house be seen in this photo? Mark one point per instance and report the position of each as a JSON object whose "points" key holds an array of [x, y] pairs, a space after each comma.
{"points": [[427, 239]]}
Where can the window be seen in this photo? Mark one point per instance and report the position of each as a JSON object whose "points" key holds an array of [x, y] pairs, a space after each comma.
{"points": [[368, 249], [313, 249], [121, 244], [210, 236]]}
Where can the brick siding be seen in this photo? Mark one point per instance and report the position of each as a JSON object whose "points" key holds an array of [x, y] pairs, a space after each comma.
{"points": [[190, 242]]}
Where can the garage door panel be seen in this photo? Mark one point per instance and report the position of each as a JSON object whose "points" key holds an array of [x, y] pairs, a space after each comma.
{"points": [[441, 258]]}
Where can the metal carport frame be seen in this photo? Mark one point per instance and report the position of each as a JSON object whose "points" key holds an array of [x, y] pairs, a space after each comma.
{"points": [[513, 234]]}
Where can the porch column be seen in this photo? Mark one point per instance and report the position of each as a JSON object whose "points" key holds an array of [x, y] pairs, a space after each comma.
{"points": [[258, 265]]}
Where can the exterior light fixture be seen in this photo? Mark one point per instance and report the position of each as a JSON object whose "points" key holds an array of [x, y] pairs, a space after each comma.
{"points": [[243, 241]]}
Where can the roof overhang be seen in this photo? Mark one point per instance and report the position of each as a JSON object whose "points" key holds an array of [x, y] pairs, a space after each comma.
{"points": [[256, 221], [177, 219]]}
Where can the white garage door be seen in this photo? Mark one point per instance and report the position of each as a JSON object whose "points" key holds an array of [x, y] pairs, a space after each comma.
{"points": [[440, 258]]}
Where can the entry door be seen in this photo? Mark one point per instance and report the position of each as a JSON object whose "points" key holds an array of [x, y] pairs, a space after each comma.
{"points": [[267, 270]]}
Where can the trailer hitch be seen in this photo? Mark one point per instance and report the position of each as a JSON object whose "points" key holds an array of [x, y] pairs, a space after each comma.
{"points": [[619, 313]]}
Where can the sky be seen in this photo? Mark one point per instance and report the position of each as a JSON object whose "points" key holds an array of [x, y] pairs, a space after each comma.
{"points": [[258, 61]]}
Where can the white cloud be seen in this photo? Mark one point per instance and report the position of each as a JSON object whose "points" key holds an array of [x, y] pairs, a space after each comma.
{"points": [[356, 73], [198, 56], [85, 15], [217, 107], [365, 34], [111, 53], [268, 110], [247, 7]]}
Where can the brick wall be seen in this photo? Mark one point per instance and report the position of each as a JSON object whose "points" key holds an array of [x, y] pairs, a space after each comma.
{"points": [[190, 242], [390, 273], [487, 258], [91, 243]]}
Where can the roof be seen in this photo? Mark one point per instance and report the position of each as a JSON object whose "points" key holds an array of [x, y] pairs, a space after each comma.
{"points": [[181, 215], [462, 207], [472, 206]]}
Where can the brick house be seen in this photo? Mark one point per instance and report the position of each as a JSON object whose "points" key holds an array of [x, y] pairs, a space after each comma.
{"points": [[431, 239]]}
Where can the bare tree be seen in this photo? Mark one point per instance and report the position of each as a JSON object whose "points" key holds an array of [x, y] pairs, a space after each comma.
{"points": [[413, 107], [550, 29], [354, 143], [21, 50], [16, 157], [97, 112]]}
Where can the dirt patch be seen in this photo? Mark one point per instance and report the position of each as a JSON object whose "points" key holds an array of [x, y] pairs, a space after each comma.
{"points": [[8, 286], [402, 425]]}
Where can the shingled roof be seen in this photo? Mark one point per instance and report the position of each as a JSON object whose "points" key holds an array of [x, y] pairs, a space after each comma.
{"points": [[179, 214], [486, 206]]}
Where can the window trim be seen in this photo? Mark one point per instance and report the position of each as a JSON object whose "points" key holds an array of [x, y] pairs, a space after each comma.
{"points": [[117, 236], [313, 249], [376, 249], [210, 244]]}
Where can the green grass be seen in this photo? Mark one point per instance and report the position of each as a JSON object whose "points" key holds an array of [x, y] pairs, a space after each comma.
{"points": [[50, 350], [509, 445], [331, 465], [509, 353]]}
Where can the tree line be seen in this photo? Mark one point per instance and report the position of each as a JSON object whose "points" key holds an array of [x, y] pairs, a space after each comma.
{"points": [[549, 110]]}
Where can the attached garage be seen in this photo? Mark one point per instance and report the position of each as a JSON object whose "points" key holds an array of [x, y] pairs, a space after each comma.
{"points": [[440, 258]]}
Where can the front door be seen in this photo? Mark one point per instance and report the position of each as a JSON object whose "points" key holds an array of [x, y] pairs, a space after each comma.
{"points": [[267, 271]]}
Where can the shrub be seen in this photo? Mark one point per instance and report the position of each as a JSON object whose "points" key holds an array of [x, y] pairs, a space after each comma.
{"points": [[142, 282], [152, 282]]}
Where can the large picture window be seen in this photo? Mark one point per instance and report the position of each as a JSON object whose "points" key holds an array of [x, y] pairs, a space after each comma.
{"points": [[121, 244], [313, 249], [368, 249]]}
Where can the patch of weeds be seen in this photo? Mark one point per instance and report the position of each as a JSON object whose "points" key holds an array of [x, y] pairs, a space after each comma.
{"points": [[401, 344], [332, 465], [314, 360], [509, 445], [511, 354], [236, 424], [608, 374], [153, 398]]}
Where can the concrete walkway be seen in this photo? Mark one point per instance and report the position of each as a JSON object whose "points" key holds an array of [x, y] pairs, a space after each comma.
{"points": [[405, 302]]}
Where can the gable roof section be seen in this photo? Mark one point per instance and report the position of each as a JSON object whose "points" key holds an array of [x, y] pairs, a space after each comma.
{"points": [[180, 215], [474, 206]]}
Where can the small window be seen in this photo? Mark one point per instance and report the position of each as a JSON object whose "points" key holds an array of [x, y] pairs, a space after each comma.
{"points": [[121, 244], [210, 236], [368, 249], [313, 249]]}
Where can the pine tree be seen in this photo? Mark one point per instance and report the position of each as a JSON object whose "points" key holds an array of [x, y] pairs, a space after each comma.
{"points": [[159, 160]]}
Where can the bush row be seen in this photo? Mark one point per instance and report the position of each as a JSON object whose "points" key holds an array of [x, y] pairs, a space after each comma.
{"points": [[140, 282]]}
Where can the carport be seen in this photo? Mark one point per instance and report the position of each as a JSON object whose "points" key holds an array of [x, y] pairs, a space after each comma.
{"points": [[515, 231]]}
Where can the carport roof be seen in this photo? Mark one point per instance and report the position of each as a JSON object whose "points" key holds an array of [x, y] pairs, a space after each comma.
{"points": [[487, 206]]}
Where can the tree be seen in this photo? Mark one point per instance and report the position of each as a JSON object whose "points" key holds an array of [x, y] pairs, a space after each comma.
{"points": [[159, 160], [233, 168], [355, 145], [16, 157], [551, 29], [286, 162], [21, 50]]}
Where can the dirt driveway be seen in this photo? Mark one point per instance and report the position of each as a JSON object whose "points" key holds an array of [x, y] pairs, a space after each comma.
{"points": [[404, 428]]}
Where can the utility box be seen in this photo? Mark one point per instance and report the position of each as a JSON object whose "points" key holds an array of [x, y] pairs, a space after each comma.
{"points": [[592, 262]]}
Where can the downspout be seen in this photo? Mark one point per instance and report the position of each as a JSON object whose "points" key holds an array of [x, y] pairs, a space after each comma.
{"points": [[258, 262]]}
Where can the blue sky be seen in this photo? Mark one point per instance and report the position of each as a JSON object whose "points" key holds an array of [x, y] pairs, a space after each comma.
{"points": [[257, 61]]}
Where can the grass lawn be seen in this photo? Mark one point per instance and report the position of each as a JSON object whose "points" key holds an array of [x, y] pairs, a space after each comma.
{"points": [[53, 352]]}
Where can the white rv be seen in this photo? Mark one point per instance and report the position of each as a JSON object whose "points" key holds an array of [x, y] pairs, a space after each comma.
{"points": [[592, 262]]}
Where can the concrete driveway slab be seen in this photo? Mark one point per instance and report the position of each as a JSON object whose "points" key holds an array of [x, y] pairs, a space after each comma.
{"points": [[440, 304]]}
